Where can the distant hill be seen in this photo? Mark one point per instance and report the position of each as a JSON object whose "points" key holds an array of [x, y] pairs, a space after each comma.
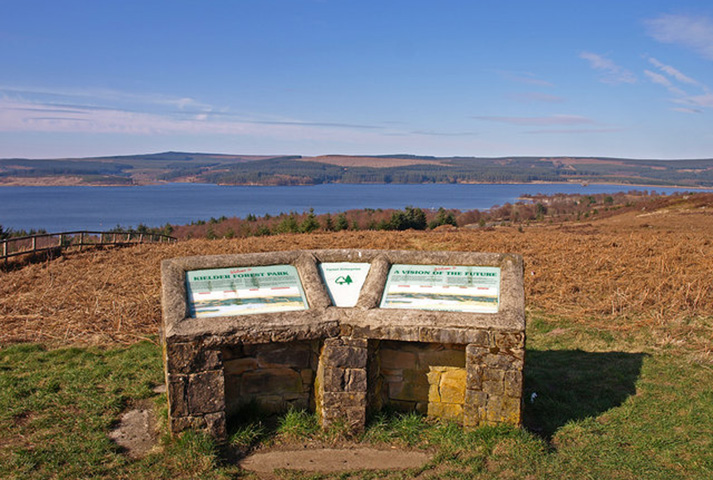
{"points": [[399, 168]]}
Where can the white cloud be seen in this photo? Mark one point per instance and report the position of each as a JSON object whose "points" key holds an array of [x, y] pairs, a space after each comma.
{"points": [[612, 73], [663, 81], [692, 32], [103, 95], [668, 69], [703, 101], [686, 110], [24, 116], [576, 131]]}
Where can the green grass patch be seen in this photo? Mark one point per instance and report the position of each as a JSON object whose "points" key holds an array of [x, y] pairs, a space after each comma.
{"points": [[598, 405]]}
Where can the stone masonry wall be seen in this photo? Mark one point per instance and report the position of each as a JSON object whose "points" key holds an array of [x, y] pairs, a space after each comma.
{"points": [[426, 377], [342, 382], [195, 388], [494, 380], [343, 362], [273, 376]]}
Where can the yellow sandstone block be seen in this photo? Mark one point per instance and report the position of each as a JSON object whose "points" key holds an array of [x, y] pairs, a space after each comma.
{"points": [[450, 411], [452, 386]]}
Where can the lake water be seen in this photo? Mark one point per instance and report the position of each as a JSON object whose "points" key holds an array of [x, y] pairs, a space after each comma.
{"points": [[100, 208]]}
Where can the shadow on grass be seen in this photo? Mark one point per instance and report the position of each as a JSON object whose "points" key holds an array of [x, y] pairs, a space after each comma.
{"points": [[567, 385]]}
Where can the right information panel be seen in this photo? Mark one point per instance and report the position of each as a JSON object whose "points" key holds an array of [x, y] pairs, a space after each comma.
{"points": [[443, 287]]}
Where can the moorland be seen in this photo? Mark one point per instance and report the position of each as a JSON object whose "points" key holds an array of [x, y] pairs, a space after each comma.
{"points": [[303, 170], [618, 367]]}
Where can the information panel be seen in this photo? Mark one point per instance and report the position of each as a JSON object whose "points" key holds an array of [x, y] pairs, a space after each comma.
{"points": [[443, 287], [344, 281], [244, 291]]}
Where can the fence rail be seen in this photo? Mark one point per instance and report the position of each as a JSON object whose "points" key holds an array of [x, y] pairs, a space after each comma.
{"points": [[43, 242]]}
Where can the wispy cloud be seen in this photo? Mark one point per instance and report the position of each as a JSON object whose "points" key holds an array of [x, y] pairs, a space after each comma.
{"points": [[49, 110], [574, 131], [92, 96], [694, 32], [314, 124], [664, 82], [687, 110], [703, 101], [672, 72], [611, 72], [535, 97], [672, 75], [540, 121], [443, 134]]}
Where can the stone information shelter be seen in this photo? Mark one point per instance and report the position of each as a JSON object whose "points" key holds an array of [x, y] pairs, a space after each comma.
{"points": [[344, 333]]}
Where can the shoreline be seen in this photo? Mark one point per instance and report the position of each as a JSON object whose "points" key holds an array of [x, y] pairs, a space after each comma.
{"points": [[76, 182]]}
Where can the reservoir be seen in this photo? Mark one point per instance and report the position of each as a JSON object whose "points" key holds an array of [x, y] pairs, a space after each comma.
{"points": [[58, 209]]}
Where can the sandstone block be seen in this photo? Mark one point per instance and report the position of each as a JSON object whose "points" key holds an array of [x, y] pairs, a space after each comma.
{"points": [[355, 380], [510, 340], [215, 425], [177, 402], [446, 357], [275, 381], [500, 361], [452, 386], [475, 355], [206, 392], [513, 384], [415, 387], [343, 399], [474, 378], [471, 416], [307, 376], [191, 357], [179, 424], [397, 359], [450, 411], [332, 379], [238, 366], [294, 354], [493, 387], [502, 410], [434, 376], [271, 403], [476, 399], [460, 336], [493, 375], [386, 332], [344, 356], [434, 393]]}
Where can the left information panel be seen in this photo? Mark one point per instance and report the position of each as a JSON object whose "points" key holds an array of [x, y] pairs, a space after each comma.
{"points": [[223, 292]]}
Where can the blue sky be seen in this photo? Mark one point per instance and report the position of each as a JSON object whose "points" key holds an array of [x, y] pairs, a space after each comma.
{"points": [[476, 78]]}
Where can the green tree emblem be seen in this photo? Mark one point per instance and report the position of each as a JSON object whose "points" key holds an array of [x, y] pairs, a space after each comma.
{"points": [[344, 280]]}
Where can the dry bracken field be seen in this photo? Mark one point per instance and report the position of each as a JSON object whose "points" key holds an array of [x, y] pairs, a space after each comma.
{"points": [[648, 270]]}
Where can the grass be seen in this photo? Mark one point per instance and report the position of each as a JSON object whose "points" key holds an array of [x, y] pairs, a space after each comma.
{"points": [[607, 405]]}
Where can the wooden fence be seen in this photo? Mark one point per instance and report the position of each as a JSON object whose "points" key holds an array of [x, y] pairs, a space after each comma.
{"points": [[43, 242]]}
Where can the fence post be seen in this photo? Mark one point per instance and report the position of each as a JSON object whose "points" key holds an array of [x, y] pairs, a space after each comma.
{"points": [[4, 250], [61, 240], [81, 241], [34, 244]]}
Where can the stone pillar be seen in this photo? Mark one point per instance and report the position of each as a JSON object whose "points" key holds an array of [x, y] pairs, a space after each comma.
{"points": [[494, 380], [341, 393], [196, 388]]}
